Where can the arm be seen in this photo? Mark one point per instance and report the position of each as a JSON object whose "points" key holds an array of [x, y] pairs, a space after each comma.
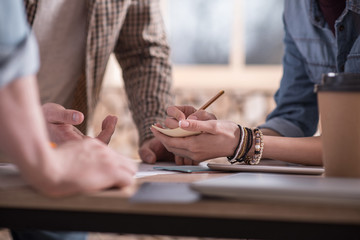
{"points": [[306, 150], [143, 54], [78, 166], [296, 112], [220, 139]]}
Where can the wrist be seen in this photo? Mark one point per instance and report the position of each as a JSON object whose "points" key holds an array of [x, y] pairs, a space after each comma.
{"points": [[41, 169]]}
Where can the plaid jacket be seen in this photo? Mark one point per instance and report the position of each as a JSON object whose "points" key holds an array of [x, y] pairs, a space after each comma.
{"points": [[134, 31]]}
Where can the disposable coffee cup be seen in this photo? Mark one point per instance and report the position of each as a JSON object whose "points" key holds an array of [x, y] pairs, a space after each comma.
{"points": [[339, 105]]}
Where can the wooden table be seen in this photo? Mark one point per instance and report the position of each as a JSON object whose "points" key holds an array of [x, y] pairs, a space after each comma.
{"points": [[111, 211]]}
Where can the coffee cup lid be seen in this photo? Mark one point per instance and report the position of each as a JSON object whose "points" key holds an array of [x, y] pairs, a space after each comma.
{"points": [[347, 82]]}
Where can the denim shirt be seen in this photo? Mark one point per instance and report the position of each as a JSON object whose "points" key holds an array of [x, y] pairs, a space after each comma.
{"points": [[311, 49], [18, 49]]}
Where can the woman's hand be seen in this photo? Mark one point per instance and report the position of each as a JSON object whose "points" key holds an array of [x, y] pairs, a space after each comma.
{"points": [[218, 139], [179, 113]]}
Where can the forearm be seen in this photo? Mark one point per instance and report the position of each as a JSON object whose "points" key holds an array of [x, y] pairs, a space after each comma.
{"points": [[23, 136], [305, 151], [143, 54]]}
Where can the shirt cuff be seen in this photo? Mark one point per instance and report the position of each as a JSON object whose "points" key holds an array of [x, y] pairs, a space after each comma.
{"points": [[283, 127], [18, 61], [144, 130]]}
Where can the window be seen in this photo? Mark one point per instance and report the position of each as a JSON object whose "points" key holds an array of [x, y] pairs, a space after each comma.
{"points": [[225, 43]]}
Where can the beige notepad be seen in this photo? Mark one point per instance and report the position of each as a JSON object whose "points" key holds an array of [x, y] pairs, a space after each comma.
{"points": [[175, 132]]}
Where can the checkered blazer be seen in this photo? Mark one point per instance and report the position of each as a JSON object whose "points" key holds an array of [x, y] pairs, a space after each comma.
{"points": [[134, 31]]}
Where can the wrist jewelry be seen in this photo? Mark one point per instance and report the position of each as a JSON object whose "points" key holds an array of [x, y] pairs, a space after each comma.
{"points": [[232, 159], [248, 146], [244, 146], [259, 148]]}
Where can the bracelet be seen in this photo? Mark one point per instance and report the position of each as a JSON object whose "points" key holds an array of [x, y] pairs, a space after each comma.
{"points": [[244, 146], [232, 159], [259, 148], [248, 146]]}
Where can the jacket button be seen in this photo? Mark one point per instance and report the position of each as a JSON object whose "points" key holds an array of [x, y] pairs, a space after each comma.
{"points": [[341, 28]]}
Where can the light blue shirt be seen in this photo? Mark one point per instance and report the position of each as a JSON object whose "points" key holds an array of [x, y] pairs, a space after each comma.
{"points": [[311, 49], [18, 49]]}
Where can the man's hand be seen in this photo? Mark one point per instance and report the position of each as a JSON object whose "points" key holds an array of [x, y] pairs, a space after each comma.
{"points": [[153, 150], [61, 124], [81, 167]]}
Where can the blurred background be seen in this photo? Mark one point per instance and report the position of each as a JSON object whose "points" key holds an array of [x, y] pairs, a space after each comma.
{"points": [[235, 45]]}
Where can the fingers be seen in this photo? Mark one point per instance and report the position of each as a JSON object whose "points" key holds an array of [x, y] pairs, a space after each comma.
{"points": [[199, 126], [152, 150], [171, 122], [128, 165], [147, 152], [188, 161], [55, 113], [147, 156], [179, 160], [202, 115], [107, 129], [180, 112], [176, 113], [125, 171]]}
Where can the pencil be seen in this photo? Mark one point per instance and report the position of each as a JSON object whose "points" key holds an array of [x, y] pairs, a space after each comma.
{"points": [[213, 99]]}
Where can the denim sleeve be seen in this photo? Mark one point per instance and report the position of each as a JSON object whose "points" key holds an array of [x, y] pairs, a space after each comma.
{"points": [[18, 49], [296, 112]]}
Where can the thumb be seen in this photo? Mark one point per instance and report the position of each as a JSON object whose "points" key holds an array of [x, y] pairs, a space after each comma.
{"points": [[55, 113], [107, 129]]}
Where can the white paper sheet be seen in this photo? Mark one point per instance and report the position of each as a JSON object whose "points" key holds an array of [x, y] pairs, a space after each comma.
{"points": [[10, 176]]}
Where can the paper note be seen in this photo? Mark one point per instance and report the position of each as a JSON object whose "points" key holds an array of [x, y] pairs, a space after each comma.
{"points": [[10, 176], [176, 132]]}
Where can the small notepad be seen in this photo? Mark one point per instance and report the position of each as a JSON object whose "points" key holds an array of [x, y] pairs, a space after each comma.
{"points": [[175, 132]]}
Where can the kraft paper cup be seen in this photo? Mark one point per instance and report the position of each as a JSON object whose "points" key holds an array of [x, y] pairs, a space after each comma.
{"points": [[339, 105]]}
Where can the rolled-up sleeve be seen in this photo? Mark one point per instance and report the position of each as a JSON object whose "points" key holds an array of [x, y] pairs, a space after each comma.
{"points": [[296, 113], [18, 48]]}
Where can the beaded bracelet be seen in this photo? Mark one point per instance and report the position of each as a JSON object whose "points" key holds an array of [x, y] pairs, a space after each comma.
{"points": [[259, 148]]}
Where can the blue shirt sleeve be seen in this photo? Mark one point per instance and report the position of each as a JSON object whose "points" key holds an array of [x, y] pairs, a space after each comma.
{"points": [[18, 48], [296, 112]]}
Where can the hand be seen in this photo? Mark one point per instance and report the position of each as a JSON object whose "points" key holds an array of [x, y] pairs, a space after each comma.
{"points": [[153, 150], [85, 166], [179, 113], [218, 139], [60, 124]]}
